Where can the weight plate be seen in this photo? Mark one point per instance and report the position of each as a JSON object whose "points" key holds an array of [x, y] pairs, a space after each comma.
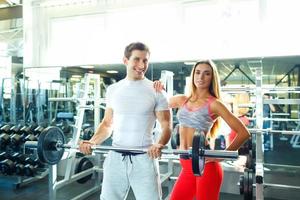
{"points": [[47, 151], [198, 160], [83, 165]]}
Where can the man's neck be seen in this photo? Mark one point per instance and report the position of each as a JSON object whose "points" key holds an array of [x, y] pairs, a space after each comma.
{"points": [[133, 79]]}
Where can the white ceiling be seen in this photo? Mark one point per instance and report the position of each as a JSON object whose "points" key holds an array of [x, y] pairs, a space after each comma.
{"points": [[273, 67]]}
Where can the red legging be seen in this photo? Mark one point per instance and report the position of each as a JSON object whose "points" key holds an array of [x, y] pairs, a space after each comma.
{"points": [[205, 187]]}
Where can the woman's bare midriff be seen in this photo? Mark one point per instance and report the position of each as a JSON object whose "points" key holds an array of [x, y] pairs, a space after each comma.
{"points": [[186, 137]]}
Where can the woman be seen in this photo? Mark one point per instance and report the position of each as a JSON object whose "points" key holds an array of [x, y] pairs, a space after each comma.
{"points": [[199, 112]]}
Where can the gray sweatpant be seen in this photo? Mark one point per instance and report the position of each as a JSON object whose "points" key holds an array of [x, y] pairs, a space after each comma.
{"points": [[138, 171]]}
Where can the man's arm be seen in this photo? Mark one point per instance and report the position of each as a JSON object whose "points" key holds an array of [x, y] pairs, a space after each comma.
{"points": [[164, 118], [103, 132]]}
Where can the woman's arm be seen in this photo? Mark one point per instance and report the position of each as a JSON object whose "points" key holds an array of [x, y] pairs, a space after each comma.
{"points": [[177, 101], [219, 109]]}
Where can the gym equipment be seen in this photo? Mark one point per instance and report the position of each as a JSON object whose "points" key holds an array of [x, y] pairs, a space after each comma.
{"points": [[51, 146], [175, 138], [20, 169], [246, 147], [198, 160], [4, 140], [25, 130], [19, 159], [4, 136], [10, 163], [3, 155], [30, 170], [88, 133], [246, 184], [83, 165], [15, 129], [38, 130], [16, 140], [7, 167], [250, 162], [5, 129], [31, 166]]}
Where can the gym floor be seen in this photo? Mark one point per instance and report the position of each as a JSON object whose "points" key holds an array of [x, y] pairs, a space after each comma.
{"points": [[282, 153], [39, 190]]}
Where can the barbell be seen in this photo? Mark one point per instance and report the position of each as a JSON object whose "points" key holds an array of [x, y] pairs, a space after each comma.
{"points": [[51, 145]]}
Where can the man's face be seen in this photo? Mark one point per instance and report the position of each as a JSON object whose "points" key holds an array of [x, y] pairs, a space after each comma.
{"points": [[137, 64]]}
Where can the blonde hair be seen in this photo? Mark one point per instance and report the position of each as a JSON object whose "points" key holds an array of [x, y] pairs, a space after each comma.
{"points": [[214, 89]]}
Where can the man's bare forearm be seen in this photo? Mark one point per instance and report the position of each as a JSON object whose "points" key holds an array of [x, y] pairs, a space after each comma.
{"points": [[102, 133], [165, 123]]}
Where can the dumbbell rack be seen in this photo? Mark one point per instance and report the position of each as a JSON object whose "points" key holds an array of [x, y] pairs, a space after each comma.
{"points": [[12, 155], [70, 156]]}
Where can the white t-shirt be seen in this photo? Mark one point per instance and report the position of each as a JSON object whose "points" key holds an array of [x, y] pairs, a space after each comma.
{"points": [[134, 104]]}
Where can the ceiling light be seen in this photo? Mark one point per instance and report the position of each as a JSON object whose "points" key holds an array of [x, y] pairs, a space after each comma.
{"points": [[112, 71], [76, 76], [189, 63], [74, 79], [87, 67]]}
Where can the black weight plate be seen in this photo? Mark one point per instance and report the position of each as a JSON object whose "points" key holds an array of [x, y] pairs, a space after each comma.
{"points": [[241, 184], [46, 150], [83, 165], [250, 161], [198, 160], [248, 185]]}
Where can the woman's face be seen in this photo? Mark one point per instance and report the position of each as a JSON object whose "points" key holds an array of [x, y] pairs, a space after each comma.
{"points": [[203, 76]]}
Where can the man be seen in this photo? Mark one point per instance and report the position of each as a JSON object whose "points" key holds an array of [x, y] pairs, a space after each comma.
{"points": [[132, 106]]}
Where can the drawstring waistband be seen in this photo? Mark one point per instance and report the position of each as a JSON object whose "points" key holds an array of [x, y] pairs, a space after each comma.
{"points": [[129, 154]]}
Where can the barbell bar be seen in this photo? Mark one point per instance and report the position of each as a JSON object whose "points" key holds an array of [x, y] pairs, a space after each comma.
{"points": [[51, 145]]}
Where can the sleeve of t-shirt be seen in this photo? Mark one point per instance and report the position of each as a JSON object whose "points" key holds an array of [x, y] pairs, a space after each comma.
{"points": [[161, 101], [108, 96]]}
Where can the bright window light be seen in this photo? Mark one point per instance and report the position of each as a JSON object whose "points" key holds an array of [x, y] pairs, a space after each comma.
{"points": [[87, 67], [76, 76], [112, 71], [175, 31], [43, 74]]}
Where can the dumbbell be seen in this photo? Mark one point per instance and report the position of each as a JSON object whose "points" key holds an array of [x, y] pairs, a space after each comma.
{"points": [[8, 165], [26, 134], [33, 134], [4, 136], [21, 165], [245, 148], [25, 130], [5, 129], [88, 133], [15, 129], [16, 140], [17, 136], [220, 143], [3, 155], [31, 166], [38, 130], [4, 140]]}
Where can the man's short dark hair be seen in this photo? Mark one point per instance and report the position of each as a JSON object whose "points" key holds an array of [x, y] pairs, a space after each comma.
{"points": [[135, 46]]}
